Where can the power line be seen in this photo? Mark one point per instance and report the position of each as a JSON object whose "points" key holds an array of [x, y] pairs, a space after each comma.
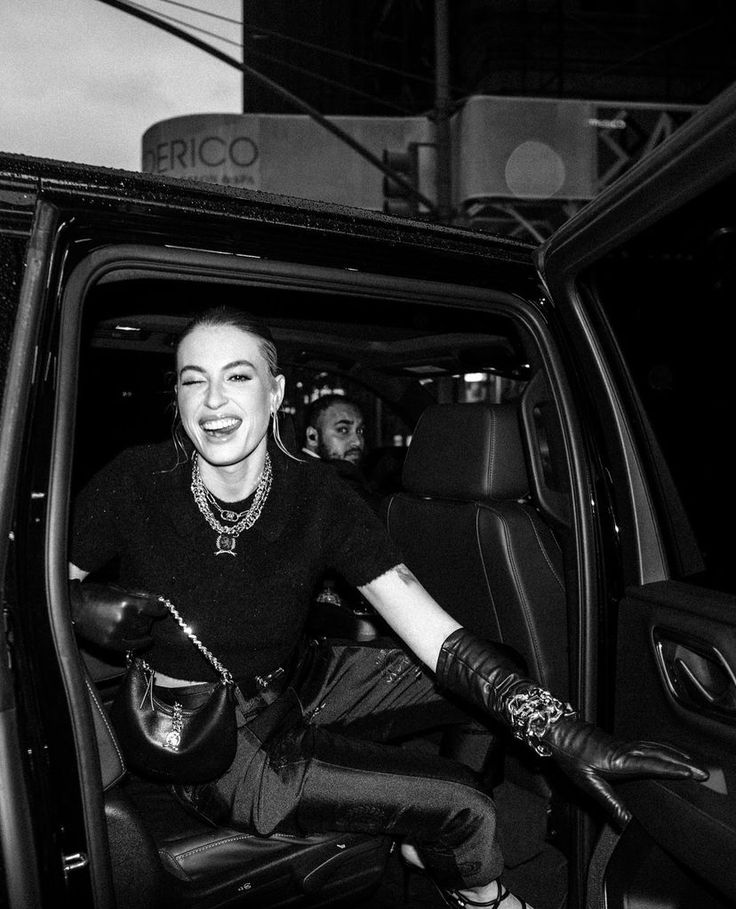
{"points": [[195, 28], [269, 57], [333, 82], [282, 92], [318, 47], [673, 39]]}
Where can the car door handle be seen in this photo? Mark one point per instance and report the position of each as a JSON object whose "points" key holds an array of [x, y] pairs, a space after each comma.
{"points": [[697, 675]]}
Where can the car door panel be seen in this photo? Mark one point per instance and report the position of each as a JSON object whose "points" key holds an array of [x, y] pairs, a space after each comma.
{"points": [[695, 822], [641, 281]]}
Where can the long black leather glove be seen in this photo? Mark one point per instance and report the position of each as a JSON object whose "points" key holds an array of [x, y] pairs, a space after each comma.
{"points": [[487, 675], [113, 618]]}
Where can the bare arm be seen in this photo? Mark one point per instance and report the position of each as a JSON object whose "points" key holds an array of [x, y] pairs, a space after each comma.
{"points": [[413, 614], [76, 574]]}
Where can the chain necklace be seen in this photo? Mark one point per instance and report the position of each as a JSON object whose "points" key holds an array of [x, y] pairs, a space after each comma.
{"points": [[232, 516], [227, 534]]}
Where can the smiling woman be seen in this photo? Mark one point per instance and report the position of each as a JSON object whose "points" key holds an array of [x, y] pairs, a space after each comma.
{"points": [[226, 393], [574, 461], [296, 765]]}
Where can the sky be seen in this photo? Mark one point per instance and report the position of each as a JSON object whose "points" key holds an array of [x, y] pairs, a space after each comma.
{"points": [[82, 81]]}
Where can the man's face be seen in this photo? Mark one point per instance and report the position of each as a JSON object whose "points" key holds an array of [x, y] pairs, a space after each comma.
{"points": [[340, 434]]}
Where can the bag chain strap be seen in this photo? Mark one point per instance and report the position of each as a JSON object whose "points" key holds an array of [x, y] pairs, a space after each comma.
{"points": [[224, 673]]}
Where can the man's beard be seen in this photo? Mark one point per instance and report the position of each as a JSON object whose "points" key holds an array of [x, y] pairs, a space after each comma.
{"points": [[354, 455]]}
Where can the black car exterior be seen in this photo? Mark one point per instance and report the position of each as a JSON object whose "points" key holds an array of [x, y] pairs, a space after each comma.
{"points": [[627, 310]]}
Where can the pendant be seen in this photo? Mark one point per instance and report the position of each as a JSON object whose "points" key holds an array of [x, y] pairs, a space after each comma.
{"points": [[225, 545], [173, 737]]}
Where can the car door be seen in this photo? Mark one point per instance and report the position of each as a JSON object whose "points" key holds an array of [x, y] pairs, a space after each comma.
{"points": [[642, 285], [43, 808], [94, 232]]}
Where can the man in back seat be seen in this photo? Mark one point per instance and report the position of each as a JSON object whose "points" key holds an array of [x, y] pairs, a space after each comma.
{"points": [[334, 431]]}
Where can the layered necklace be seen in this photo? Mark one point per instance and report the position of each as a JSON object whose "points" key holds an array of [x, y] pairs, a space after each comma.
{"points": [[231, 523]]}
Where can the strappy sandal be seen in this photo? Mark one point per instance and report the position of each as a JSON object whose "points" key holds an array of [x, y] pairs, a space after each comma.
{"points": [[454, 899]]}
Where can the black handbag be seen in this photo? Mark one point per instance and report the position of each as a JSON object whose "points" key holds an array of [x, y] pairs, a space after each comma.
{"points": [[170, 742]]}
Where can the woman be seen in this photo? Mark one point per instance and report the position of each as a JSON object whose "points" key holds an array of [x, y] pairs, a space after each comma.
{"points": [[236, 534]]}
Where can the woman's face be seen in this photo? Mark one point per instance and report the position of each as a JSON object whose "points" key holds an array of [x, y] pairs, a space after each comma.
{"points": [[225, 393]]}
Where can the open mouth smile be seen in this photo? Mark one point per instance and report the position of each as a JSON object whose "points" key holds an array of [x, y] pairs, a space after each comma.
{"points": [[220, 428]]}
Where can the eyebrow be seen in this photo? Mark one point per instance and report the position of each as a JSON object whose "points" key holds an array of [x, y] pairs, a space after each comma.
{"points": [[226, 366]]}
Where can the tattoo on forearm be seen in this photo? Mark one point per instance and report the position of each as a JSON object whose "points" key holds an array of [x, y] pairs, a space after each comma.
{"points": [[406, 576]]}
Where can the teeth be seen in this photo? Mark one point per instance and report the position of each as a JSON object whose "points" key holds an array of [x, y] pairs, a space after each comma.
{"points": [[218, 425]]}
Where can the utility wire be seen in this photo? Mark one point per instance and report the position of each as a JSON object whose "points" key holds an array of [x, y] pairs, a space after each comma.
{"points": [[195, 28], [673, 39], [318, 47], [282, 92], [269, 57], [333, 82]]}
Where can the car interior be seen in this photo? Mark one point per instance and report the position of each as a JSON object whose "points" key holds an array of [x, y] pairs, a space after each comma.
{"points": [[465, 453]]}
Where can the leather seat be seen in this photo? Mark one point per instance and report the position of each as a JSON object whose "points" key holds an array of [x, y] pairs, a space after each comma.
{"points": [[164, 855], [468, 529]]}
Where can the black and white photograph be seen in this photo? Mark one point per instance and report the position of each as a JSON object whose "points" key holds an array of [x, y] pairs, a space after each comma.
{"points": [[366, 401]]}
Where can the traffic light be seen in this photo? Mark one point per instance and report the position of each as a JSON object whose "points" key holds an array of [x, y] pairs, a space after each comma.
{"points": [[400, 200]]}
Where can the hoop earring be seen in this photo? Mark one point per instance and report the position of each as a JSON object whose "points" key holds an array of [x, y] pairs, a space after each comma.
{"points": [[176, 436], [277, 436]]}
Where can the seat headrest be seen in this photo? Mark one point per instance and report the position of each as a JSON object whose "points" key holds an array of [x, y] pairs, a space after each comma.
{"points": [[467, 451]]}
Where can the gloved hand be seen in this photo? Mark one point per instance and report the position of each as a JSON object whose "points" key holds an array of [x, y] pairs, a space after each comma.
{"points": [[487, 675], [590, 757], [113, 618]]}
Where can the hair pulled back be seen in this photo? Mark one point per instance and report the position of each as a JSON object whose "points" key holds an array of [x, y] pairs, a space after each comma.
{"points": [[230, 317]]}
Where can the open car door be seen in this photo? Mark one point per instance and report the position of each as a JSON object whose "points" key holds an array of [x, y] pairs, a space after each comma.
{"points": [[643, 283]]}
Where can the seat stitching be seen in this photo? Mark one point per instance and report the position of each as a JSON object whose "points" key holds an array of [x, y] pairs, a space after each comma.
{"points": [[207, 846], [489, 587], [492, 453], [545, 554], [389, 506], [525, 607], [103, 715]]}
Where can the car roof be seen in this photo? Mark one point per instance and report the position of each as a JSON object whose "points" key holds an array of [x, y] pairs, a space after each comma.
{"points": [[54, 176]]}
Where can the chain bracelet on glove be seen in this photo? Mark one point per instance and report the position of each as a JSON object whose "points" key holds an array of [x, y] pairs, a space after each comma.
{"points": [[531, 713]]}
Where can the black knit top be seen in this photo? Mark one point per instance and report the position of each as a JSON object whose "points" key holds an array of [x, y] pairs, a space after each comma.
{"points": [[249, 610]]}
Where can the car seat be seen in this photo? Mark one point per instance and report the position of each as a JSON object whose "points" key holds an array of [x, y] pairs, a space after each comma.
{"points": [[468, 528], [164, 855]]}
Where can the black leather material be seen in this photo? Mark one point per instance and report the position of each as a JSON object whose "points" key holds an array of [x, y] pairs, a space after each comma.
{"points": [[164, 855], [466, 452], [483, 673], [110, 617], [139, 878], [174, 743], [209, 865], [468, 530], [112, 763]]}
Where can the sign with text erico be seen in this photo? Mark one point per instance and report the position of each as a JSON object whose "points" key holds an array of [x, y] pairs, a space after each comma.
{"points": [[281, 153]]}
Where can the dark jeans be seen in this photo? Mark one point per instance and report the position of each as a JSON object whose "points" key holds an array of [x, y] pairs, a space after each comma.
{"points": [[318, 759]]}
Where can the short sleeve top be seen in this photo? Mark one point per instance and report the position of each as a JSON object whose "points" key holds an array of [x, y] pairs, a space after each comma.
{"points": [[248, 609]]}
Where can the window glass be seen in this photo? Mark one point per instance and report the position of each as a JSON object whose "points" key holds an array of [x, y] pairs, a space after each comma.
{"points": [[392, 357], [669, 296], [471, 387]]}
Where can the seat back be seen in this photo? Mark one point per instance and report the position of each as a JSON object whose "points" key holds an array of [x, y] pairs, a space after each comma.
{"points": [[467, 528]]}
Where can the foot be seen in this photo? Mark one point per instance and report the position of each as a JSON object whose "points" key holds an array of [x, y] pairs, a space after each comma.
{"points": [[491, 896]]}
